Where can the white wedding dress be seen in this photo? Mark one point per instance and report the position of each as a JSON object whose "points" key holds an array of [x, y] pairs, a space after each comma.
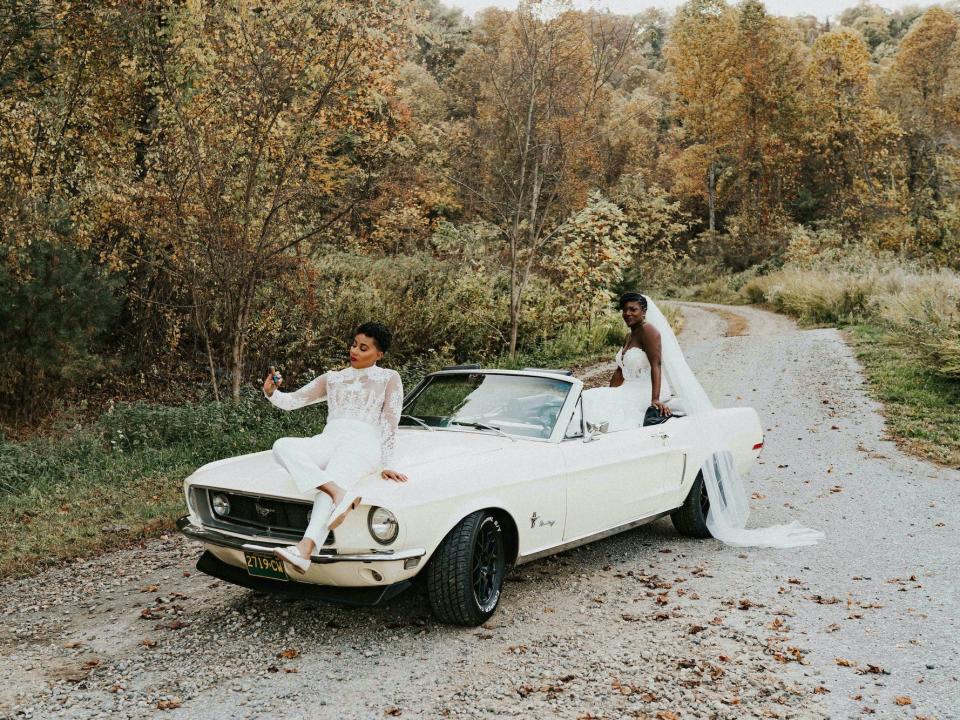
{"points": [[729, 507], [624, 406]]}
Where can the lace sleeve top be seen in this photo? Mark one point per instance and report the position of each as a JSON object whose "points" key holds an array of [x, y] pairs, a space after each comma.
{"points": [[373, 395]]}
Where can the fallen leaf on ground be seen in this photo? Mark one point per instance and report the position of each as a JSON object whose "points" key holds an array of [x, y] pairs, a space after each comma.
{"points": [[288, 654], [845, 663], [393, 711], [903, 700], [168, 704]]}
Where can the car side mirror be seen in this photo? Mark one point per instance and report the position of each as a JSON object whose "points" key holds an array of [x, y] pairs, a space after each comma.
{"points": [[594, 430]]}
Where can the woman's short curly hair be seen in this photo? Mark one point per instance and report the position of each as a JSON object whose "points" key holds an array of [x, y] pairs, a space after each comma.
{"points": [[633, 297], [379, 332]]}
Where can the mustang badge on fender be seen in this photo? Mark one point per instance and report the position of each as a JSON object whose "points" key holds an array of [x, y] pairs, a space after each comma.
{"points": [[543, 523]]}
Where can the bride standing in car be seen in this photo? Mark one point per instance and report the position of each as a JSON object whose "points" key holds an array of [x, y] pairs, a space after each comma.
{"points": [[365, 402]]}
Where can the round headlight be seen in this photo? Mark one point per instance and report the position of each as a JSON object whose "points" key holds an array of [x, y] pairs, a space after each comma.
{"points": [[221, 504], [383, 525]]}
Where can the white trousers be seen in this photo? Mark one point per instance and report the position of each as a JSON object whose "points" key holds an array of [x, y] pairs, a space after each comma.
{"points": [[344, 453]]}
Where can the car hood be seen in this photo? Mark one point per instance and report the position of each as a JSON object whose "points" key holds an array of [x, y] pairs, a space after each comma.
{"points": [[420, 453]]}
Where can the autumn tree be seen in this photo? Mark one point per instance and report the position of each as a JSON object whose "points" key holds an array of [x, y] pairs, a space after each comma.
{"points": [[703, 62], [769, 120], [593, 248], [916, 88], [66, 143], [531, 91], [851, 141], [267, 117]]}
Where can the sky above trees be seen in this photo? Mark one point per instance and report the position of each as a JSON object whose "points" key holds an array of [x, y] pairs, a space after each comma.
{"points": [[820, 8]]}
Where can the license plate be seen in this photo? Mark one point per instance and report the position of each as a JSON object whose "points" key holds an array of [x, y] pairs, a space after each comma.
{"points": [[266, 566]]}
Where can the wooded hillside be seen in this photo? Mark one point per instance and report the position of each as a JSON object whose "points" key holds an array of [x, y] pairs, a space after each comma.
{"points": [[190, 192]]}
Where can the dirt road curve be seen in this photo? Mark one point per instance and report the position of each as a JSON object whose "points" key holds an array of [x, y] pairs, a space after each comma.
{"points": [[645, 624]]}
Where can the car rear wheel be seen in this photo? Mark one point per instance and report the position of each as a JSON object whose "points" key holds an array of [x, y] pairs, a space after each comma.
{"points": [[690, 519], [465, 576]]}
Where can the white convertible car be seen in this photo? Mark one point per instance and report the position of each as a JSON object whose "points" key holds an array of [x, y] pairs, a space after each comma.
{"points": [[503, 470]]}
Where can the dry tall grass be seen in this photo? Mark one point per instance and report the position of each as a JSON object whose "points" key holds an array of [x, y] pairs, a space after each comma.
{"points": [[920, 308]]}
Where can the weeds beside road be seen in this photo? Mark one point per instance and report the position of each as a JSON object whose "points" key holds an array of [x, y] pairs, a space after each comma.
{"points": [[904, 324]]}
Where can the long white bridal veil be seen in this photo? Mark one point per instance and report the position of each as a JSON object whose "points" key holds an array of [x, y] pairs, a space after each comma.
{"points": [[729, 508]]}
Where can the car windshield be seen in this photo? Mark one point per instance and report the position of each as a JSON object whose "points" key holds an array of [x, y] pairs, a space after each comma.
{"points": [[521, 405]]}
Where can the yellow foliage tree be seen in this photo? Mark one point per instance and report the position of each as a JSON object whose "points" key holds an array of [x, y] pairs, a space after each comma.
{"points": [[533, 89], [851, 141], [264, 115], [917, 89], [703, 62]]}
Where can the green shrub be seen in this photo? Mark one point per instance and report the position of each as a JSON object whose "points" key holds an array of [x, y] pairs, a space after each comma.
{"points": [[53, 314], [440, 312]]}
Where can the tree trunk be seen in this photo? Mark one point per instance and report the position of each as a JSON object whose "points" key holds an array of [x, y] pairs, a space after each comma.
{"points": [[213, 372], [239, 343], [712, 194], [236, 364], [514, 314]]}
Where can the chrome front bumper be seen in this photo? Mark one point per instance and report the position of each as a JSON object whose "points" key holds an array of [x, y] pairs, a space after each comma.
{"points": [[213, 537]]}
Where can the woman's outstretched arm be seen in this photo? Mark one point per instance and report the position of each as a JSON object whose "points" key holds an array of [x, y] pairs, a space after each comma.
{"points": [[313, 392]]}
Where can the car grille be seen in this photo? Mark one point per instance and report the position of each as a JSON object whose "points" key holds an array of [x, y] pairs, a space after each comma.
{"points": [[257, 515]]}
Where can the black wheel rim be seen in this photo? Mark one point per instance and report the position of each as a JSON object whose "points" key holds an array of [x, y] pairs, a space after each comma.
{"points": [[704, 500], [487, 564]]}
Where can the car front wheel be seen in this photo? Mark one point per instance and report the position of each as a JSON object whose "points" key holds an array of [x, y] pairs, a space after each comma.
{"points": [[690, 519], [465, 576]]}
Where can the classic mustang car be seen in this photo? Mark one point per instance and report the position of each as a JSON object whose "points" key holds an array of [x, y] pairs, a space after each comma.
{"points": [[503, 468]]}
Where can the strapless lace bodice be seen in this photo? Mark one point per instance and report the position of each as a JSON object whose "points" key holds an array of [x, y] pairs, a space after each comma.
{"points": [[633, 364], [635, 367]]}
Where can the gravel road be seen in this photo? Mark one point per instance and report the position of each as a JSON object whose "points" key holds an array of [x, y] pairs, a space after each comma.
{"points": [[642, 625]]}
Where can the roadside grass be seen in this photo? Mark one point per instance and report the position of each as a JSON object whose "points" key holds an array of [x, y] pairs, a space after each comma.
{"points": [[922, 409], [118, 480], [904, 323]]}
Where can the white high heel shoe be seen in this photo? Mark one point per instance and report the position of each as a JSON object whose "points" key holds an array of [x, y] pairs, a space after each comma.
{"points": [[343, 508], [292, 555]]}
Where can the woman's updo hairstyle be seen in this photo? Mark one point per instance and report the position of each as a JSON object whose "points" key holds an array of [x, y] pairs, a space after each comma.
{"points": [[633, 297], [379, 332]]}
